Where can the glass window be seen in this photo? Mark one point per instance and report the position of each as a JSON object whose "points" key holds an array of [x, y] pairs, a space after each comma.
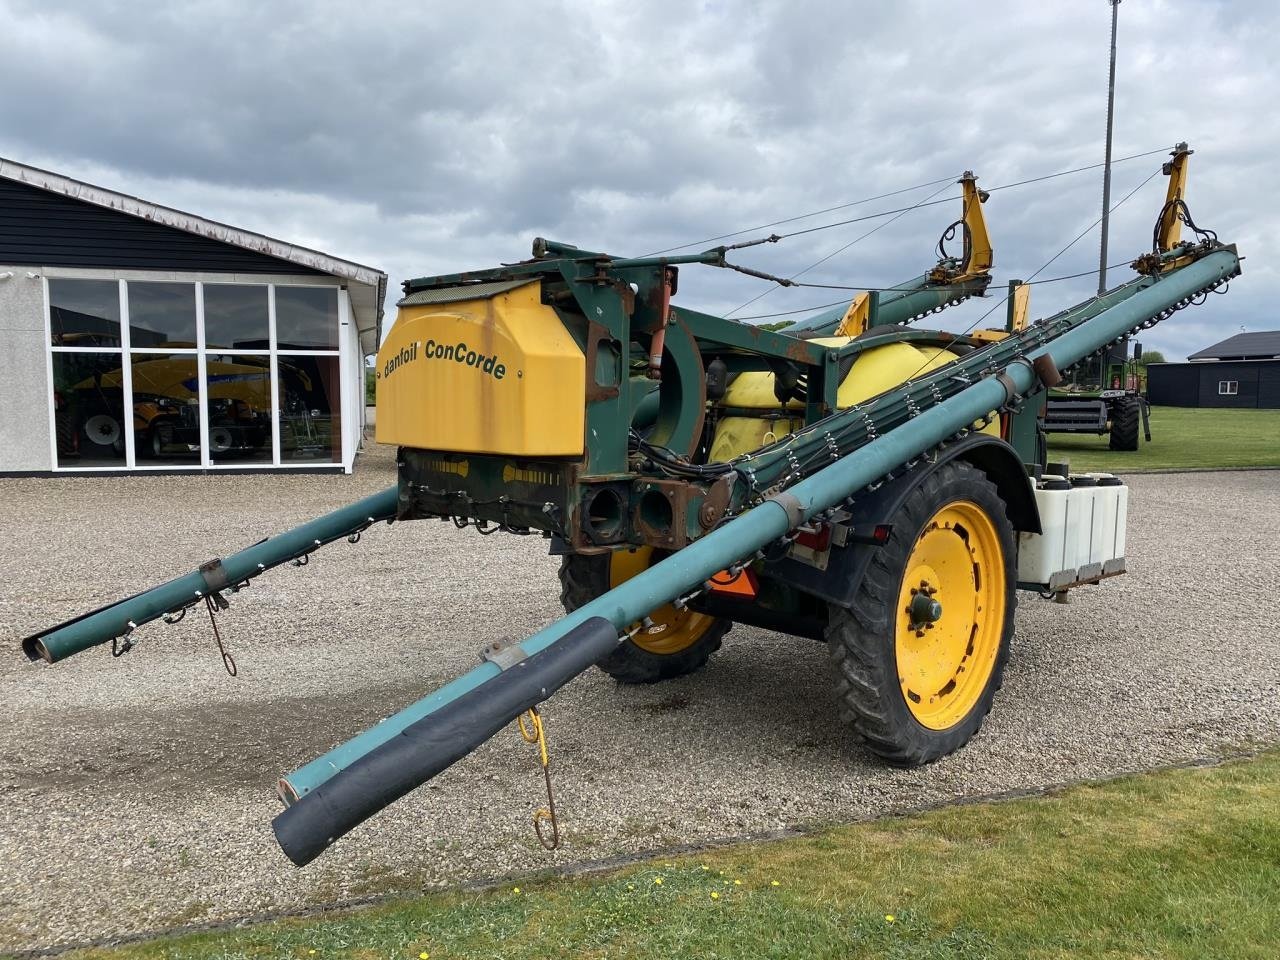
{"points": [[84, 313], [306, 318], [268, 399], [166, 407], [239, 389], [310, 412], [88, 402], [162, 314], [236, 316]]}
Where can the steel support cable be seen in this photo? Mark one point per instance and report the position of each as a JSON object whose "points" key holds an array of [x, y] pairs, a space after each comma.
{"points": [[930, 203], [806, 216], [880, 226], [835, 286], [902, 211], [886, 213], [1080, 236]]}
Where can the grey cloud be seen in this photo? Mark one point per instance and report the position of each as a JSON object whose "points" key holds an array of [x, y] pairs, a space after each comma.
{"points": [[436, 137]]}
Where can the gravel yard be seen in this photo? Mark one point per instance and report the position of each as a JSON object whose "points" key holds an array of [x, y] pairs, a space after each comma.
{"points": [[137, 793]]}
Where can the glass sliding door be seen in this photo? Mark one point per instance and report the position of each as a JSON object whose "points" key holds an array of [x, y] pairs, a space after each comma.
{"points": [[164, 364], [311, 411], [238, 374], [166, 408], [309, 374], [89, 404], [239, 390]]}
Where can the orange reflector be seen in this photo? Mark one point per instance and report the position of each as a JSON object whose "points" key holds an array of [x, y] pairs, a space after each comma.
{"points": [[742, 585]]}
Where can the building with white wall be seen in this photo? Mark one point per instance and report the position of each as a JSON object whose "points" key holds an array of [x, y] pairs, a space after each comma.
{"points": [[135, 337]]}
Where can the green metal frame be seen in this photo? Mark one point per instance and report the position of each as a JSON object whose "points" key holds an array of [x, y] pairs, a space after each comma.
{"points": [[613, 308]]}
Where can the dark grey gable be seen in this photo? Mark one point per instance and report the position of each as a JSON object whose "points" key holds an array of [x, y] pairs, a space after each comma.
{"points": [[41, 228], [1263, 344]]}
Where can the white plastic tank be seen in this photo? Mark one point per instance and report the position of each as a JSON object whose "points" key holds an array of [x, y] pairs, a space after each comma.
{"points": [[1080, 522], [1042, 555], [1110, 517]]}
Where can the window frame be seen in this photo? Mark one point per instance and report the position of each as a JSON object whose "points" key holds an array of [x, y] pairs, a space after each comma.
{"points": [[126, 352], [1228, 388]]}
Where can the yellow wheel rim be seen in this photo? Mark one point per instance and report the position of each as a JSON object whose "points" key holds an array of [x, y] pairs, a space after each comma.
{"points": [[673, 630], [946, 652]]}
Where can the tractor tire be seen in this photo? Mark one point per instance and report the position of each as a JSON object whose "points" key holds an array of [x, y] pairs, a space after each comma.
{"points": [[101, 434], [684, 648], [916, 682], [1126, 418]]}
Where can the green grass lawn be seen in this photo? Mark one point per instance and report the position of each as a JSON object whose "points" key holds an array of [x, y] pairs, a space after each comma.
{"points": [[1178, 864], [1182, 437]]}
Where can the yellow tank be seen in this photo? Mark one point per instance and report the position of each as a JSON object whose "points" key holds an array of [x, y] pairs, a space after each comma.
{"points": [[872, 373], [487, 368]]}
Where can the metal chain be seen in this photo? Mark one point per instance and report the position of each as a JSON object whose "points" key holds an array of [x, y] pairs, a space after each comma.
{"points": [[534, 733], [228, 662]]}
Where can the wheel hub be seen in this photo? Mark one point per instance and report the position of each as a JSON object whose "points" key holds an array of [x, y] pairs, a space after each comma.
{"points": [[923, 609], [943, 663]]}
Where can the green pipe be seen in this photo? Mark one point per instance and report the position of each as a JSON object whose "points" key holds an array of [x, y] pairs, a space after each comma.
{"points": [[120, 618], [646, 412], [631, 601], [900, 305]]}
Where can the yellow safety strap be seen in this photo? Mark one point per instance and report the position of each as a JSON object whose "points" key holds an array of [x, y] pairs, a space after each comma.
{"points": [[533, 732]]}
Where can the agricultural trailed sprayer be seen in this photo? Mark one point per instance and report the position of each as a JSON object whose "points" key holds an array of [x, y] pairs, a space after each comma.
{"points": [[877, 486]]}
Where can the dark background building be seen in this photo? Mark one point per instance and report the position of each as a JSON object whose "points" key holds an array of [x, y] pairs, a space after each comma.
{"points": [[1241, 371], [138, 337]]}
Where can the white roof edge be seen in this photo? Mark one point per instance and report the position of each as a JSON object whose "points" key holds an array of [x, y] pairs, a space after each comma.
{"points": [[189, 222]]}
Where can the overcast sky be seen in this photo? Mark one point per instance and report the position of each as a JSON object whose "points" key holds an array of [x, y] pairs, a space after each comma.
{"points": [[430, 137]]}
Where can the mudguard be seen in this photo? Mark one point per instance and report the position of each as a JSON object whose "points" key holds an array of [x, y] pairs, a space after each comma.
{"points": [[846, 565]]}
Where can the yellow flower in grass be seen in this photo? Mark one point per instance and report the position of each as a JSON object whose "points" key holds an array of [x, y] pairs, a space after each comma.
{"points": [[714, 895], [890, 918], [424, 956], [515, 889], [737, 883], [658, 881], [774, 883]]}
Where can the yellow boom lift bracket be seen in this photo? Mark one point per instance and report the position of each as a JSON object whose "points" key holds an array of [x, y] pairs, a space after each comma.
{"points": [[1170, 229], [1168, 232], [978, 255], [977, 260]]}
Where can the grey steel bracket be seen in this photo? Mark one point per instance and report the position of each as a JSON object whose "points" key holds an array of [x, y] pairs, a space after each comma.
{"points": [[504, 654], [215, 577]]}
